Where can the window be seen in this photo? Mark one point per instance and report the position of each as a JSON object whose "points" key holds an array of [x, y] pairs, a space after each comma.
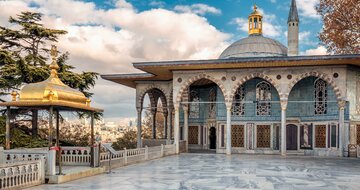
{"points": [[194, 105], [193, 134], [238, 104], [212, 105], [263, 136], [250, 23], [256, 23], [320, 136], [263, 98], [320, 87], [237, 136]]}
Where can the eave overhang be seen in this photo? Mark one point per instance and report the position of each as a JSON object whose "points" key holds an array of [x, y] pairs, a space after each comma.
{"points": [[162, 71]]}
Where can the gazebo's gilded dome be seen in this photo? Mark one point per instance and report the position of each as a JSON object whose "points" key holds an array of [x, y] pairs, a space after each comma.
{"points": [[254, 46], [52, 89]]}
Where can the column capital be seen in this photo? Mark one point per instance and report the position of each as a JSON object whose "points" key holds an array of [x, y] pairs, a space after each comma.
{"points": [[185, 107], [177, 106], [284, 103], [228, 105], [341, 104], [139, 109]]}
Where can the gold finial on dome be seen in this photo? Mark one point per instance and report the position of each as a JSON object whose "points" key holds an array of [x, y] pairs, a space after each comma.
{"points": [[54, 66], [14, 95], [88, 101], [255, 22]]}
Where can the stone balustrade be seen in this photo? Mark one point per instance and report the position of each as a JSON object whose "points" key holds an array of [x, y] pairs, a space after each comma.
{"points": [[131, 156], [19, 175], [75, 156], [155, 142]]}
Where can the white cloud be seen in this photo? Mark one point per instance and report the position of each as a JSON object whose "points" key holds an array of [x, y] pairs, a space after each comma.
{"points": [[200, 9], [157, 3], [108, 41], [320, 50], [307, 8]]}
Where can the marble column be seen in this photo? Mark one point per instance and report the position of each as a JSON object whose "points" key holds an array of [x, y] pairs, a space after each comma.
{"points": [[186, 126], [51, 114], [177, 128], [7, 128], [139, 141], [228, 128], [342, 144], [283, 104], [165, 124], [169, 127], [34, 123], [153, 118]]}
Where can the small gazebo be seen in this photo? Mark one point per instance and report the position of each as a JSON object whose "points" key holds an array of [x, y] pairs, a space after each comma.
{"points": [[52, 95]]}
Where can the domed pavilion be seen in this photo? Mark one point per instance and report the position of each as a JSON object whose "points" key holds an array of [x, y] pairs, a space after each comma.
{"points": [[258, 97], [51, 95]]}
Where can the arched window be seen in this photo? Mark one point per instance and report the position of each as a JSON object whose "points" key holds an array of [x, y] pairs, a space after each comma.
{"points": [[212, 105], [238, 104], [194, 105], [263, 98], [320, 89]]}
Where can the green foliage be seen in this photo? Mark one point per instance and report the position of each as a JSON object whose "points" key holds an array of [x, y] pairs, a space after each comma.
{"points": [[19, 138], [23, 56], [128, 140]]}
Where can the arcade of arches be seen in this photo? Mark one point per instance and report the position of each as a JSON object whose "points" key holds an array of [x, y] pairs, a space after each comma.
{"points": [[255, 115]]}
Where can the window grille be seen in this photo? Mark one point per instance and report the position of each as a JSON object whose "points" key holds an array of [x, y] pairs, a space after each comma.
{"points": [[263, 136], [320, 88], [237, 136], [263, 98], [194, 105], [212, 105], [238, 106]]}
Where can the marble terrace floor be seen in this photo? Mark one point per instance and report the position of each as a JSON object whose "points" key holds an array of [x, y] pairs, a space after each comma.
{"points": [[218, 171]]}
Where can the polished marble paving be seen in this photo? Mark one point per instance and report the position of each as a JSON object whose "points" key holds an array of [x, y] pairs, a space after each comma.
{"points": [[218, 171]]}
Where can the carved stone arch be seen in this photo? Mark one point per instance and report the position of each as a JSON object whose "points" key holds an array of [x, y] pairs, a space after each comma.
{"points": [[184, 87], [153, 99], [320, 75], [252, 76]]}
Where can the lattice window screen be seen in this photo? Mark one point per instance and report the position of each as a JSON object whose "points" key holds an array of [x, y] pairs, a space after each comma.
{"points": [[194, 111], [237, 136], [263, 96], [263, 136], [320, 97], [238, 106], [320, 136], [193, 134], [212, 105]]}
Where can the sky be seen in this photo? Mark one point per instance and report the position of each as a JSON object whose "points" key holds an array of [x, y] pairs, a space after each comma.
{"points": [[108, 36]]}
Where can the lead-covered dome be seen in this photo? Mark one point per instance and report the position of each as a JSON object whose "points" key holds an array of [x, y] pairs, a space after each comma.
{"points": [[254, 46]]}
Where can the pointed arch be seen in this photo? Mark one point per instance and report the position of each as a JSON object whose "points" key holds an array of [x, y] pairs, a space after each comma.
{"points": [[187, 84], [320, 75], [155, 92], [252, 76]]}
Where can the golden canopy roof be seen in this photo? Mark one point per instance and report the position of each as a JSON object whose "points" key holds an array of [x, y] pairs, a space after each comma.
{"points": [[50, 92]]}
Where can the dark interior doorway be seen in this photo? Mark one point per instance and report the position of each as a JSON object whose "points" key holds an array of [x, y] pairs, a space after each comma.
{"points": [[212, 138], [291, 137]]}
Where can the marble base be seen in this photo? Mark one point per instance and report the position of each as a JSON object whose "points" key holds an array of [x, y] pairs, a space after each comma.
{"points": [[219, 171]]}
